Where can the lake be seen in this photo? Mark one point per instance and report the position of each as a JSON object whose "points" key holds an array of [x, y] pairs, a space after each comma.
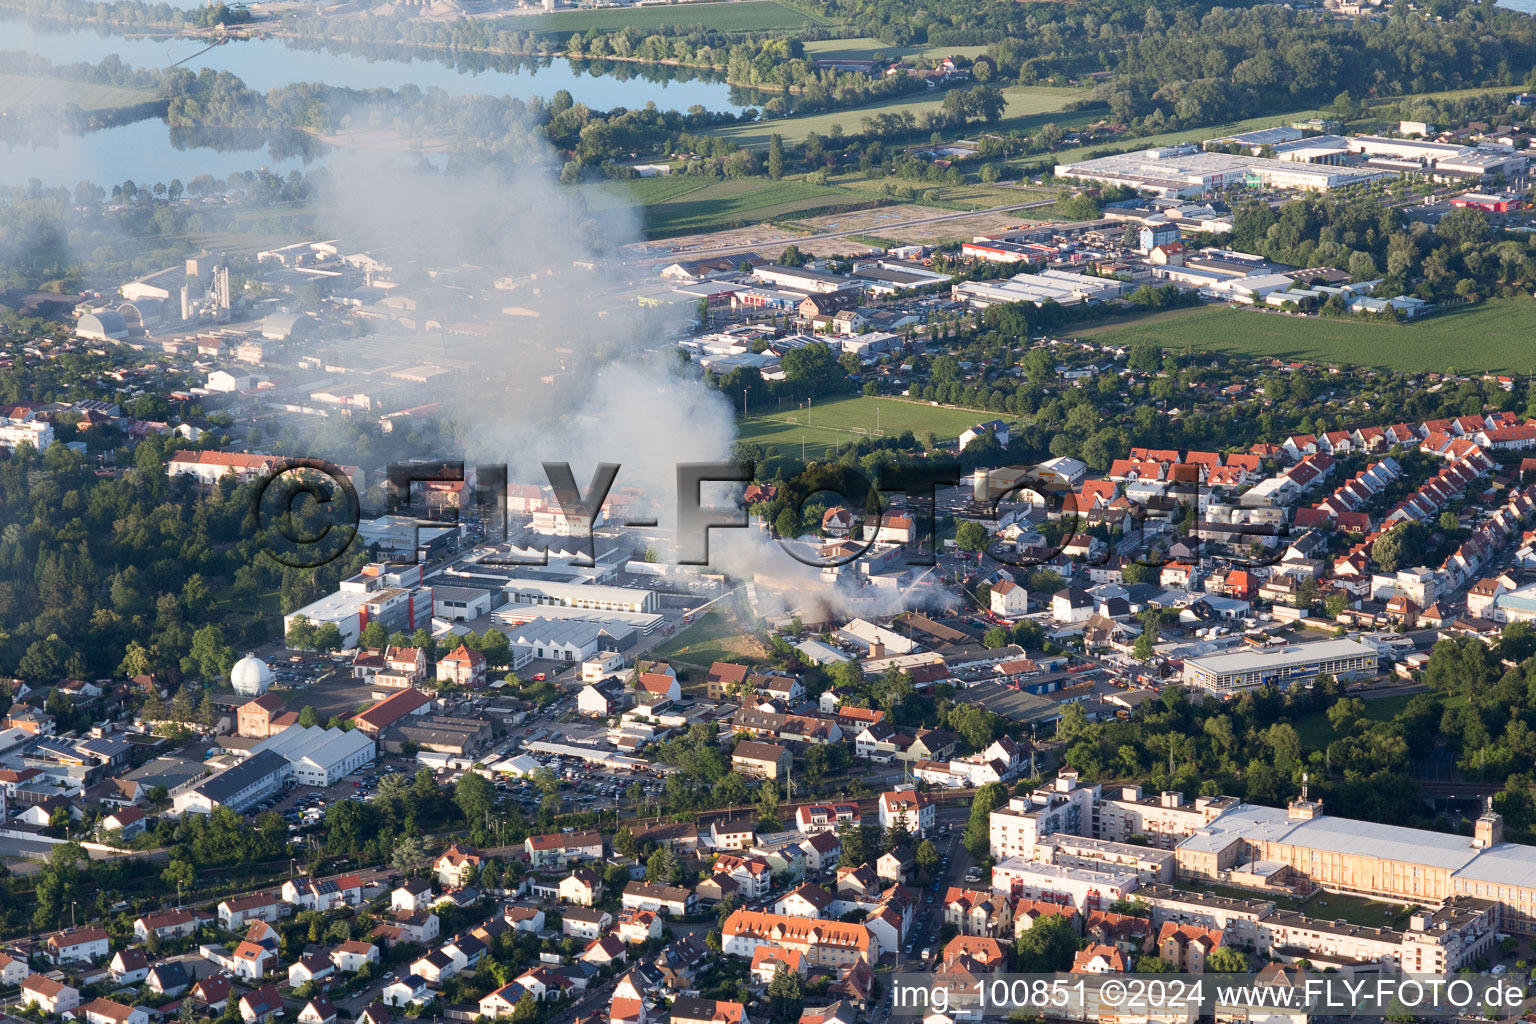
{"points": [[144, 151], [270, 63]]}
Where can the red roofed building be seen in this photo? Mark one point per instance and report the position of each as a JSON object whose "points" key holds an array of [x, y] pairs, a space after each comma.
{"points": [[463, 667], [1097, 959], [208, 468], [390, 710], [1187, 945]]}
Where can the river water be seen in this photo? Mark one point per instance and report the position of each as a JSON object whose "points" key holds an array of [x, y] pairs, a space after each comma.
{"points": [[144, 151]]}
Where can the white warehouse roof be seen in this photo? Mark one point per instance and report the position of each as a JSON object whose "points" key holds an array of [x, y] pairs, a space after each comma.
{"points": [[320, 746]]}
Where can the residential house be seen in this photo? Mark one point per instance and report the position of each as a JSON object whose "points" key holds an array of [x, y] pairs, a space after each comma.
{"points": [[236, 912], [560, 849], [412, 894], [169, 979], [581, 887], [411, 988], [87, 944], [318, 1010], [914, 809], [324, 894], [462, 667], [585, 924], [761, 760], [674, 901], [1187, 945], [110, 1011], [310, 968], [49, 996], [457, 867], [353, 955]]}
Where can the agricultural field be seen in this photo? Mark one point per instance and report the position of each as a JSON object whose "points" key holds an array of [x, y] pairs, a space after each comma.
{"points": [[835, 422], [740, 16], [18, 91], [948, 197], [1491, 336], [673, 206], [1026, 108], [890, 224]]}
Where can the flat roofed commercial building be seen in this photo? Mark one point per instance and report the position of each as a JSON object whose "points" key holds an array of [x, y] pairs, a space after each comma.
{"points": [[1059, 286], [1248, 670], [320, 756], [1088, 889], [592, 596], [1371, 858], [237, 788], [1186, 171]]}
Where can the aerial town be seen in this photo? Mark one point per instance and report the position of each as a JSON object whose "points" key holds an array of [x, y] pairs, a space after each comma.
{"points": [[765, 512]]}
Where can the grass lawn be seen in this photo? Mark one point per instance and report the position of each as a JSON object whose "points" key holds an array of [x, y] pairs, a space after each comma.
{"points": [[838, 421], [1357, 910], [741, 16], [718, 636], [1490, 336], [673, 206], [1025, 110], [18, 91]]}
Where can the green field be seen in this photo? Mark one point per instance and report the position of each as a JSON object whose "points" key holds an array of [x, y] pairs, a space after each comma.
{"points": [[835, 422], [1491, 336], [741, 16], [672, 206], [19, 91], [719, 636], [1026, 107], [863, 48], [949, 197]]}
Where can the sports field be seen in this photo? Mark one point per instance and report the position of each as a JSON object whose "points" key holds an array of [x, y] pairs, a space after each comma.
{"points": [[1026, 108], [740, 16], [20, 91], [672, 206], [835, 422], [1491, 336]]}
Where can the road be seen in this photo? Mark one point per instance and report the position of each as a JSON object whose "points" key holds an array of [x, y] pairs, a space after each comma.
{"points": [[694, 252], [929, 917]]}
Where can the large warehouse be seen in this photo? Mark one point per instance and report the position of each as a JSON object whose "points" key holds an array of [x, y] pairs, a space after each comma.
{"points": [[320, 756], [1249, 670], [1060, 286], [250, 781], [1187, 171]]}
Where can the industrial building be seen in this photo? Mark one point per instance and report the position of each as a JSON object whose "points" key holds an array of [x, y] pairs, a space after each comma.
{"points": [[320, 756], [1059, 286], [555, 640], [1249, 670], [240, 787], [387, 593], [592, 596], [1221, 839], [1188, 171]]}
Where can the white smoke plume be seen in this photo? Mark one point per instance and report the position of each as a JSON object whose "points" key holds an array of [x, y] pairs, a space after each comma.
{"points": [[577, 372]]}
